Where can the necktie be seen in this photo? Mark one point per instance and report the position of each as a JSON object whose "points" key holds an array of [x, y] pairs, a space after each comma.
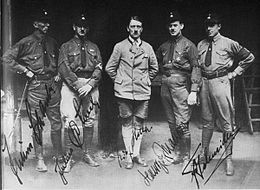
{"points": [[82, 54], [46, 59], [170, 57], [135, 47], [208, 55]]}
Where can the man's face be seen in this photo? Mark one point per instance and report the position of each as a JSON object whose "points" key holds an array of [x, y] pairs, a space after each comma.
{"points": [[175, 28], [81, 31], [212, 29], [135, 29], [42, 26]]}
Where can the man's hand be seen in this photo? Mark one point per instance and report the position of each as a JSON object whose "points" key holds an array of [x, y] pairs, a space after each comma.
{"points": [[192, 98], [231, 75], [83, 91], [57, 78]]}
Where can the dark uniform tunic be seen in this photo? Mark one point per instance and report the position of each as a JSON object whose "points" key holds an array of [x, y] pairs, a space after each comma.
{"points": [[80, 63], [39, 54], [178, 64]]}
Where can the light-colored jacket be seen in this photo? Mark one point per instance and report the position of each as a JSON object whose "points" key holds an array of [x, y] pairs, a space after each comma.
{"points": [[132, 72]]}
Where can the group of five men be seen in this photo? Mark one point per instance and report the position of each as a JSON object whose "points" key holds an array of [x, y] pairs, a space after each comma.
{"points": [[186, 71]]}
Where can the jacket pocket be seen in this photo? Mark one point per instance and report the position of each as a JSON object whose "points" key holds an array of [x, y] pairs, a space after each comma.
{"points": [[118, 80], [222, 54], [72, 56]]}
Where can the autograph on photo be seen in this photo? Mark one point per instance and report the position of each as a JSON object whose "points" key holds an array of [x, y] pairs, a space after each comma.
{"points": [[38, 125], [78, 108], [136, 134], [196, 165], [61, 168], [165, 158], [14, 163]]}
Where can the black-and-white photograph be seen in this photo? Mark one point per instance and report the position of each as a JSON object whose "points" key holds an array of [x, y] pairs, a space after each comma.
{"points": [[130, 94]]}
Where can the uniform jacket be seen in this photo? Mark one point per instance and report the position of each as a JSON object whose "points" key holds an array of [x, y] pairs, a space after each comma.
{"points": [[70, 63], [28, 53], [132, 71], [224, 51], [183, 58]]}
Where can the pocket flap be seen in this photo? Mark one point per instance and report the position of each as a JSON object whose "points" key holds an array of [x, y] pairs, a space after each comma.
{"points": [[118, 80]]}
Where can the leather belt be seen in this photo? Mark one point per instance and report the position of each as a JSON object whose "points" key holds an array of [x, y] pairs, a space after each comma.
{"points": [[83, 74], [216, 74], [46, 76]]}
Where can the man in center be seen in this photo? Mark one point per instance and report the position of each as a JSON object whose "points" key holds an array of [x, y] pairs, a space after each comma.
{"points": [[132, 66], [181, 75]]}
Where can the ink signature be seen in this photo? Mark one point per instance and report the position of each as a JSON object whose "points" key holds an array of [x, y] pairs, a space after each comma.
{"points": [[20, 163], [78, 108], [196, 168], [165, 159], [38, 125], [138, 132], [61, 168], [74, 133]]}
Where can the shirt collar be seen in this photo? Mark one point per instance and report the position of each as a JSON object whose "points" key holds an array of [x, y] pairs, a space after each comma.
{"points": [[78, 40], [39, 35], [139, 41], [176, 39], [216, 38]]}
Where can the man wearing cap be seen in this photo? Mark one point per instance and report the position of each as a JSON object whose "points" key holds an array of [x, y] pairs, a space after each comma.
{"points": [[178, 64], [36, 57], [216, 56], [80, 65], [132, 66]]}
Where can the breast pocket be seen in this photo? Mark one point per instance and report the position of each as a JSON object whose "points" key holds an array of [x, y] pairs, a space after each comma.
{"points": [[33, 61], [74, 58], [222, 56], [180, 57]]}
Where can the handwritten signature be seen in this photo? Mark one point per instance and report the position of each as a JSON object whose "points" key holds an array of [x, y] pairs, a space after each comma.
{"points": [[38, 125], [14, 163], [74, 133], [138, 132], [196, 165], [78, 107], [60, 168], [166, 158]]}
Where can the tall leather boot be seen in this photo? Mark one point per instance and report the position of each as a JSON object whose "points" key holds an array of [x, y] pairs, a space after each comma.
{"points": [[176, 140], [185, 146], [67, 146], [56, 142], [40, 166], [88, 156], [227, 139], [206, 138]]}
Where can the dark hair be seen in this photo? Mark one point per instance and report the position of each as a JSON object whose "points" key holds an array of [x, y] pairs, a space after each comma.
{"points": [[137, 18]]}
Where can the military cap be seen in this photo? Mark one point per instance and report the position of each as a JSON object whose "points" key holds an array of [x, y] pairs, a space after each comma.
{"points": [[174, 16], [81, 21], [212, 19], [42, 15]]}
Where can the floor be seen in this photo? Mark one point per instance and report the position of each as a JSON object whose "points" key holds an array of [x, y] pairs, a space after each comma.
{"points": [[110, 175]]}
